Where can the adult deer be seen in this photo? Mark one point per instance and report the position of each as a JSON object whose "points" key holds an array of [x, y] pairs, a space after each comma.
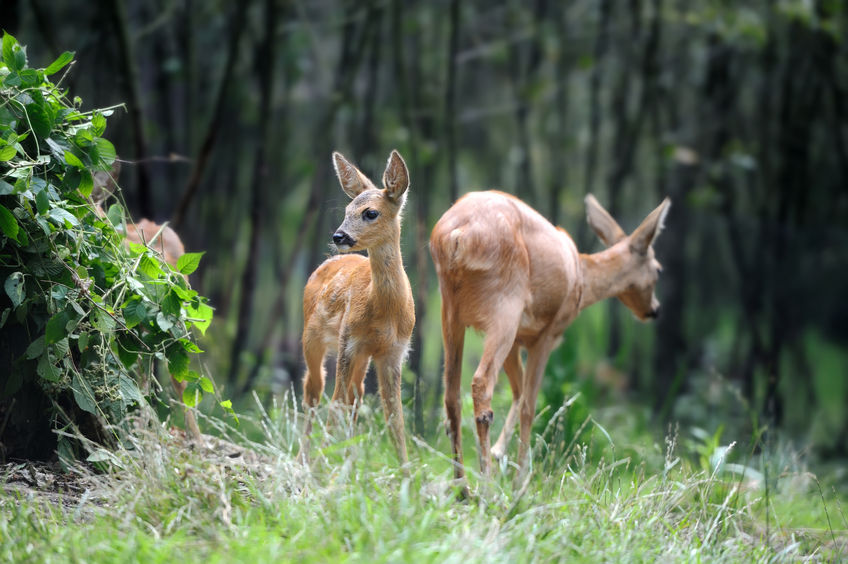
{"points": [[359, 308], [162, 239], [506, 271]]}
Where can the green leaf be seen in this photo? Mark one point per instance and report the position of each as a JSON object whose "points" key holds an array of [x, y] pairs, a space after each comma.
{"points": [[171, 304], [149, 267], [115, 215], [42, 202], [7, 153], [40, 119], [30, 77], [177, 363], [46, 369], [98, 124], [9, 43], [126, 356], [106, 150], [134, 313], [129, 390], [8, 223], [73, 160], [187, 263], [200, 316], [35, 348], [63, 217], [56, 328], [59, 63], [192, 395], [6, 188], [82, 342], [164, 322], [13, 54], [14, 287], [86, 183], [185, 294], [103, 322], [206, 385], [83, 394], [228, 407], [190, 346]]}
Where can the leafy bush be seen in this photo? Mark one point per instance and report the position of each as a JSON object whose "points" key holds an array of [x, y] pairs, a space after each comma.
{"points": [[83, 315]]}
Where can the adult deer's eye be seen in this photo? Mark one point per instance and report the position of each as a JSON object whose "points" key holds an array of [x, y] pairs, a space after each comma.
{"points": [[370, 215]]}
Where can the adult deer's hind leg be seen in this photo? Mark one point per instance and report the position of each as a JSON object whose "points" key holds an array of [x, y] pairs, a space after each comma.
{"points": [[190, 421], [496, 346], [453, 336]]}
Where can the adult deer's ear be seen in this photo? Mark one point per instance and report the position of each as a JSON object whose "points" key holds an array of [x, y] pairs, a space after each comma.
{"points": [[352, 180], [646, 233], [602, 222], [396, 177]]}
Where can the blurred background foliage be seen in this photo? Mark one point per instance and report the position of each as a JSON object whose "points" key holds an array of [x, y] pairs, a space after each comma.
{"points": [[736, 110]]}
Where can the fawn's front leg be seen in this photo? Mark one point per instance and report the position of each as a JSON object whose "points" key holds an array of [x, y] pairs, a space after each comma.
{"points": [[351, 365], [389, 379]]}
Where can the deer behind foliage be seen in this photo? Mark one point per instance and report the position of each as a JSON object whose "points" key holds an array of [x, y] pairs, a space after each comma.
{"points": [[359, 308], [161, 238], [506, 271]]}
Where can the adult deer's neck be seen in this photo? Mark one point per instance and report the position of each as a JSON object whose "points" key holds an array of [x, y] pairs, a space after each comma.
{"points": [[605, 274]]}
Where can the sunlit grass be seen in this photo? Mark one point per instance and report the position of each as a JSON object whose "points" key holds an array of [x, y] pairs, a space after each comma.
{"points": [[247, 499]]}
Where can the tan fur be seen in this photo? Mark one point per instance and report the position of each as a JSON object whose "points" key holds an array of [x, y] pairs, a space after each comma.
{"points": [[506, 271], [161, 238], [359, 308]]}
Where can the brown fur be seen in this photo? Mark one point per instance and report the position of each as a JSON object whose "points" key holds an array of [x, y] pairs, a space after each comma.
{"points": [[506, 271], [359, 308]]}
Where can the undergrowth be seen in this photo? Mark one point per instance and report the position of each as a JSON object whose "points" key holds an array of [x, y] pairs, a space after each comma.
{"points": [[245, 497]]}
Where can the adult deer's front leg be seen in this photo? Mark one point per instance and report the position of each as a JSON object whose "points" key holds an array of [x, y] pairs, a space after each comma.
{"points": [[537, 359], [515, 373], [389, 379]]}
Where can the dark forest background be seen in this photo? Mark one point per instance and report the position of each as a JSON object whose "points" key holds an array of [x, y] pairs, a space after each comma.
{"points": [[736, 110]]}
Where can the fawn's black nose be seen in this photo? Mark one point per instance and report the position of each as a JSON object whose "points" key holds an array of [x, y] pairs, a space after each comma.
{"points": [[655, 313], [342, 238]]}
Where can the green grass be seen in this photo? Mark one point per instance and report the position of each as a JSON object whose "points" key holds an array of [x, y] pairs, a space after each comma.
{"points": [[596, 500]]}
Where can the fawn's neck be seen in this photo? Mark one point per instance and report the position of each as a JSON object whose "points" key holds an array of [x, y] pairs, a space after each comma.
{"points": [[605, 274], [388, 278]]}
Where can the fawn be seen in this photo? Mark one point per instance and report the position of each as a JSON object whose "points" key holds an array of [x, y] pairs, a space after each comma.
{"points": [[506, 271], [362, 308], [161, 239]]}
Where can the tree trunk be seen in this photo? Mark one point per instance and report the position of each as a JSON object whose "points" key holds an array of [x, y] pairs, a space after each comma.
{"points": [[118, 11], [215, 119], [266, 57]]}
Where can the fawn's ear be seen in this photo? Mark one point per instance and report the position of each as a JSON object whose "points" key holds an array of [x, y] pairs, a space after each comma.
{"points": [[602, 222], [352, 180], [396, 177], [646, 233]]}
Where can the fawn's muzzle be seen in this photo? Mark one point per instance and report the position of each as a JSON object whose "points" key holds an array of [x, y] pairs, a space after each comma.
{"points": [[655, 313], [340, 238]]}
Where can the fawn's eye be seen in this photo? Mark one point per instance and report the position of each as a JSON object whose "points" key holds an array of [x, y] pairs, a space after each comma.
{"points": [[370, 215]]}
